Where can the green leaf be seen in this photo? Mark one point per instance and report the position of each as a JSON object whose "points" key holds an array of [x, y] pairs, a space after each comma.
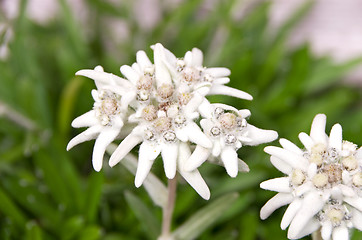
{"points": [[93, 195], [249, 225], [204, 218], [9, 208], [72, 227], [149, 222], [33, 231], [90, 233]]}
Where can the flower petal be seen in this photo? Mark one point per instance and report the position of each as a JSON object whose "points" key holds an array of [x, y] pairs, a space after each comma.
{"points": [[312, 204], [188, 59], [340, 233], [124, 148], [274, 203], [281, 165], [293, 159], [288, 145], [218, 72], [143, 60], [148, 152], [193, 178], [162, 74], [221, 81], [326, 230], [197, 57], [259, 136], [102, 78], [230, 159], [306, 140], [355, 202], [198, 157], [103, 140], [277, 185], [357, 219], [242, 166], [317, 131], [89, 134], [169, 154], [130, 74], [335, 137], [312, 226], [289, 214], [228, 91], [195, 135], [86, 120]]}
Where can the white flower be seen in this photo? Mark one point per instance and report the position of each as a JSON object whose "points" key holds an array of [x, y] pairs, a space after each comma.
{"points": [[322, 186], [228, 130]]}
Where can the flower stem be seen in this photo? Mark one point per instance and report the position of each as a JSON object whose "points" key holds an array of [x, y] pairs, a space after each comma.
{"points": [[168, 209], [317, 235]]}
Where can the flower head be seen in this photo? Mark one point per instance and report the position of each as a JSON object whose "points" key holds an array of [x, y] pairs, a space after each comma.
{"points": [[322, 186]]}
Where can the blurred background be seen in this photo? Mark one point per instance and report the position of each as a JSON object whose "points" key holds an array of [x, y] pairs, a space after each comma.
{"points": [[297, 58]]}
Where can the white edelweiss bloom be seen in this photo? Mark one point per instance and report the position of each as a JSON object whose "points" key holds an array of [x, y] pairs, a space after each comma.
{"points": [[228, 130], [106, 119], [322, 186]]}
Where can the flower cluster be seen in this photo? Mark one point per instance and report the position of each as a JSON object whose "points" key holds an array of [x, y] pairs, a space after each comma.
{"points": [[323, 186], [158, 105]]}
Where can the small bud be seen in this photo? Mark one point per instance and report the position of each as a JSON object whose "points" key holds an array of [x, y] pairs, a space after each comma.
{"points": [[298, 177], [357, 179], [320, 180], [350, 163], [165, 91], [149, 113]]}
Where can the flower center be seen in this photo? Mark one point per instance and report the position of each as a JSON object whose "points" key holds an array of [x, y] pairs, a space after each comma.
{"points": [[108, 106], [165, 91], [149, 113], [162, 124], [227, 120]]}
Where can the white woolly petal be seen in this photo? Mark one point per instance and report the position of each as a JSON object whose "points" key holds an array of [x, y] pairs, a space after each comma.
{"points": [[286, 144], [303, 189], [218, 72], [161, 72], [193, 178], [198, 157], [346, 190], [181, 134], [359, 153], [259, 136], [216, 150], [317, 131], [312, 226], [230, 159], [137, 68], [188, 58], [193, 104], [127, 99], [312, 204], [326, 230], [274, 203], [205, 109], [335, 137], [289, 214], [148, 152], [197, 57], [306, 140], [169, 154], [242, 166], [221, 81], [340, 233], [244, 113], [277, 184], [281, 165], [229, 91], [224, 106], [89, 134], [293, 159], [143, 60], [130, 74], [357, 219], [86, 120], [354, 202], [124, 148], [103, 140], [94, 94], [102, 78], [312, 170], [195, 135]]}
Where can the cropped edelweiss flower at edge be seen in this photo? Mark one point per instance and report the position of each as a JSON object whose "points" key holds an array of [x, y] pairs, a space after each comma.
{"points": [[106, 119], [228, 130], [323, 186]]}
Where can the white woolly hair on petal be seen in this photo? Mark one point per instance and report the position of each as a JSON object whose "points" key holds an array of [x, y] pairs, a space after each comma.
{"points": [[198, 157], [358, 154], [281, 165], [188, 59], [194, 178], [357, 219], [312, 226], [355, 202], [317, 131], [87, 135], [147, 154], [125, 147], [130, 74], [245, 113], [218, 72], [88, 119], [340, 233], [335, 137], [221, 81], [229, 91], [306, 140], [193, 104], [143, 60], [195, 135], [259, 136], [205, 108], [169, 155], [101, 77], [162, 74], [230, 159], [289, 214], [216, 149], [94, 94], [312, 204], [326, 230], [294, 160], [277, 185], [242, 166], [197, 57], [274, 203], [103, 140], [137, 68], [286, 144]]}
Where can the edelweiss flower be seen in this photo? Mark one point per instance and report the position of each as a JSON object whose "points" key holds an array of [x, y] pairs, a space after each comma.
{"points": [[228, 130], [323, 186]]}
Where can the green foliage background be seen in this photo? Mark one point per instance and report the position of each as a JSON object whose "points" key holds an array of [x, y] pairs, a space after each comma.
{"points": [[48, 193]]}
